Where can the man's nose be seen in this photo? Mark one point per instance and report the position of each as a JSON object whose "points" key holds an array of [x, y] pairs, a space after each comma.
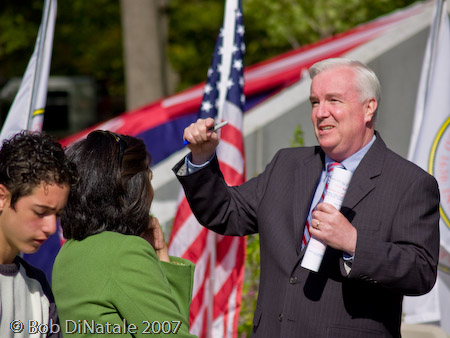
{"points": [[321, 110], [50, 223]]}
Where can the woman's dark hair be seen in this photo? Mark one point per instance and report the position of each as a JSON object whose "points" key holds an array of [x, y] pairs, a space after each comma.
{"points": [[29, 159], [114, 191]]}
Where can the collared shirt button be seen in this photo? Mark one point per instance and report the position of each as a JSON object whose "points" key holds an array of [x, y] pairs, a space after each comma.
{"points": [[293, 280], [280, 317]]}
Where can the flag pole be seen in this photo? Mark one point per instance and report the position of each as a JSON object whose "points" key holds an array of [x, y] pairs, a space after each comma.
{"points": [[42, 67], [229, 22]]}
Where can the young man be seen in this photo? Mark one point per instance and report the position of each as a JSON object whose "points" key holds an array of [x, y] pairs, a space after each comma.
{"points": [[35, 178]]}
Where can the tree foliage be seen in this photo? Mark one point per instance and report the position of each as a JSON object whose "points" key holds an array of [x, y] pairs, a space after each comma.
{"points": [[18, 30], [193, 29], [272, 27], [250, 287], [87, 41]]}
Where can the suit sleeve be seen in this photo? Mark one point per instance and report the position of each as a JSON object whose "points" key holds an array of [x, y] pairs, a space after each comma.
{"points": [[226, 210], [146, 290], [406, 258]]}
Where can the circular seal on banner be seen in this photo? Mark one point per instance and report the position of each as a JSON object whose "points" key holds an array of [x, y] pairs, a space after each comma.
{"points": [[439, 167]]}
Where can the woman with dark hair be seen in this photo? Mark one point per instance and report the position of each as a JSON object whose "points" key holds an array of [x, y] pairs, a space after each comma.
{"points": [[114, 275]]}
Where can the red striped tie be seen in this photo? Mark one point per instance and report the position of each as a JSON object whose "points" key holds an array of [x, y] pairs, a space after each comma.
{"points": [[306, 234]]}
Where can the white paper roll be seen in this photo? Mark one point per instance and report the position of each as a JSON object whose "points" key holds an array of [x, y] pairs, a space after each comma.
{"points": [[337, 188]]}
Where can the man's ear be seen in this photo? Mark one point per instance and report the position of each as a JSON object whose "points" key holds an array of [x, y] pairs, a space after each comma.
{"points": [[371, 107], [4, 193]]}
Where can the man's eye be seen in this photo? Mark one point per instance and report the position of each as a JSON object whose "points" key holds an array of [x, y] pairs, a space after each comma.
{"points": [[40, 214]]}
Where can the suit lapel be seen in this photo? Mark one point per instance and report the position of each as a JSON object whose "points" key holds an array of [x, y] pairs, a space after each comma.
{"points": [[362, 182], [306, 177]]}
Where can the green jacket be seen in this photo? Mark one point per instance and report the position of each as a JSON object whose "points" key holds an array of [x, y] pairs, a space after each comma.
{"points": [[114, 283]]}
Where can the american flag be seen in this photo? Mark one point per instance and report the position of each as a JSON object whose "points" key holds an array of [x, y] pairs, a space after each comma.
{"points": [[219, 260]]}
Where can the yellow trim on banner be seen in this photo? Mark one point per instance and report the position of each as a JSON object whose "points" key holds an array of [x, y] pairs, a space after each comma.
{"points": [[38, 112], [444, 268], [431, 161]]}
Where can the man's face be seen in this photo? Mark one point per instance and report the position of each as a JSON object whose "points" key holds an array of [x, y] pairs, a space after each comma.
{"points": [[341, 121], [27, 226]]}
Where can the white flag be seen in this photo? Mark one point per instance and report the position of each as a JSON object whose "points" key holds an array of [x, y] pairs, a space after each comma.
{"points": [[27, 109], [430, 149]]}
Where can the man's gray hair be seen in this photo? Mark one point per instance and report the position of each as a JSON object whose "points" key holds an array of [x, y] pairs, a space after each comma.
{"points": [[366, 80]]}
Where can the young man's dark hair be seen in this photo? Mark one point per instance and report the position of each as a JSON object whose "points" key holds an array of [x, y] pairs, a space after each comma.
{"points": [[29, 159]]}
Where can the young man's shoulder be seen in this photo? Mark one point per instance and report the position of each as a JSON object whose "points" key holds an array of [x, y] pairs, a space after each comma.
{"points": [[33, 273]]}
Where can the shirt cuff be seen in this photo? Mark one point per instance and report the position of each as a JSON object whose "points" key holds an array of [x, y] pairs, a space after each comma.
{"points": [[191, 167], [347, 257], [348, 261]]}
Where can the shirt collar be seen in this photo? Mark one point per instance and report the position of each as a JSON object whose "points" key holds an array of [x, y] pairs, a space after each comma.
{"points": [[352, 162]]}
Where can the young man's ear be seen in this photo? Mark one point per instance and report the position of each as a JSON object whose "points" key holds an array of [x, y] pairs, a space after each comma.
{"points": [[4, 193]]}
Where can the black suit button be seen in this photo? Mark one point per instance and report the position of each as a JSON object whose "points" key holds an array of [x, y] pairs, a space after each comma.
{"points": [[293, 280], [280, 317]]}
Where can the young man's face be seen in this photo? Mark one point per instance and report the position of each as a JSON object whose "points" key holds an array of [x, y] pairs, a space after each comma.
{"points": [[27, 226]]}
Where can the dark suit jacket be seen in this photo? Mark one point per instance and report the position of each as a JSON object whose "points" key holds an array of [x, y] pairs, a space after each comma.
{"points": [[394, 206]]}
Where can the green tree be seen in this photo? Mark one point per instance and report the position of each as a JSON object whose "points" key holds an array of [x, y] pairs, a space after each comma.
{"points": [[193, 29], [276, 26], [87, 42], [272, 27], [250, 287], [18, 31]]}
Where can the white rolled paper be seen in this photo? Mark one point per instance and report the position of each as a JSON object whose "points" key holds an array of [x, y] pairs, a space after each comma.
{"points": [[337, 188]]}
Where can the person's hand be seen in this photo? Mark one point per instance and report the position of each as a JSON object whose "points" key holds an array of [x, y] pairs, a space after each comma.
{"points": [[332, 228], [202, 140], [154, 235]]}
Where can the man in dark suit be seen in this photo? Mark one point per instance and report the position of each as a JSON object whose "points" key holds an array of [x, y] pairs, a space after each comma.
{"points": [[381, 245]]}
